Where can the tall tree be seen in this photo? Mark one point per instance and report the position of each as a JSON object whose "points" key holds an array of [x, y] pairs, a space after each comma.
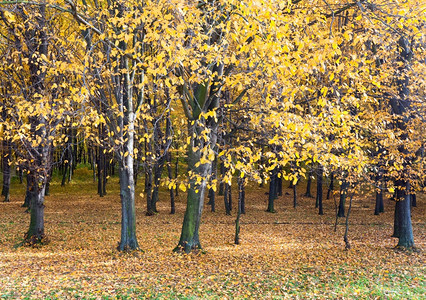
{"points": [[39, 101]]}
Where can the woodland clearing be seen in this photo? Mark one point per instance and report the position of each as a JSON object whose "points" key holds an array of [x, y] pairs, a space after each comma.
{"points": [[293, 253]]}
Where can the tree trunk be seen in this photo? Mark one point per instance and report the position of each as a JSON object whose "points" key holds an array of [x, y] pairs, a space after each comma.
{"points": [[66, 165], [279, 183], [222, 173], [272, 191], [319, 190], [93, 162], [226, 200], [170, 174], [212, 193], [343, 193], [148, 191], [7, 153], [35, 234], [48, 180], [413, 200], [294, 196], [402, 219], [404, 230], [243, 198], [126, 173], [237, 220], [128, 212], [149, 163], [177, 174], [160, 148], [189, 239], [309, 183], [212, 199], [331, 186], [345, 237], [158, 170], [230, 197], [104, 173], [21, 175], [101, 170], [379, 207]]}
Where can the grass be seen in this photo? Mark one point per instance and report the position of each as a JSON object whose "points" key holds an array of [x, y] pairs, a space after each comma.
{"points": [[292, 254]]}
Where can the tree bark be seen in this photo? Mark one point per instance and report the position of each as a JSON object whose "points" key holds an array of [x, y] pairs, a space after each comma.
{"points": [[226, 199], [413, 200], [294, 196], [189, 239], [279, 183], [331, 186], [128, 240], [309, 183], [212, 193], [237, 220], [343, 194], [7, 153], [243, 198], [170, 174], [35, 234], [222, 173], [272, 191], [319, 190], [403, 229], [177, 174]]}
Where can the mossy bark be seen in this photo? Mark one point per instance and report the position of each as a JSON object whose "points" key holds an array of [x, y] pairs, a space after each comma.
{"points": [[189, 239]]}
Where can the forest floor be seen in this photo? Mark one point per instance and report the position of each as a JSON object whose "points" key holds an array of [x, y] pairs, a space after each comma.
{"points": [[290, 254]]}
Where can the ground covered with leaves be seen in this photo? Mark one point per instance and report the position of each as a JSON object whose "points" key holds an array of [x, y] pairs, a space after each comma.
{"points": [[290, 254]]}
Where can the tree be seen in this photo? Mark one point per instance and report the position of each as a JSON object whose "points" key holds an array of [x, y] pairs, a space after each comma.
{"points": [[38, 100], [112, 34]]}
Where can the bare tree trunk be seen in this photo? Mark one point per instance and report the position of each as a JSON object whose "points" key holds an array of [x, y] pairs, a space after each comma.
{"points": [[172, 194], [403, 229], [272, 191], [345, 237], [128, 240], [319, 190], [309, 183], [226, 199], [331, 186], [343, 194], [6, 161], [294, 196], [237, 220], [212, 193]]}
